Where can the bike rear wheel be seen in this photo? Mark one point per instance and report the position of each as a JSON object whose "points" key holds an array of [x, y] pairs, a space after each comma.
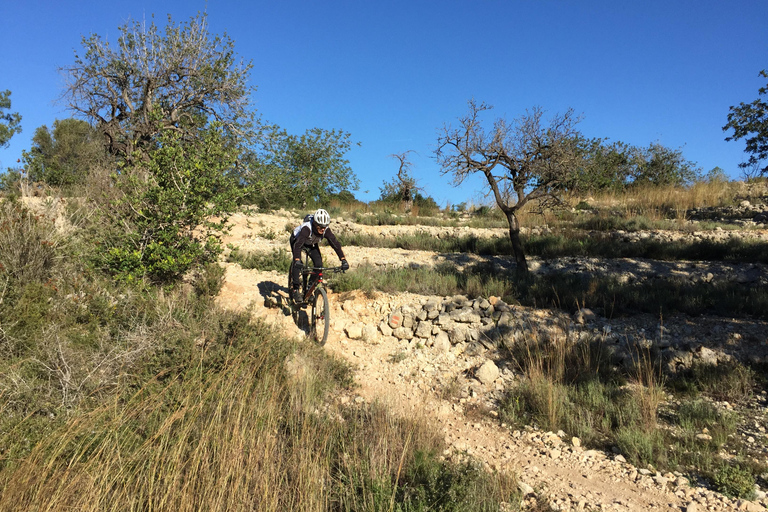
{"points": [[321, 319]]}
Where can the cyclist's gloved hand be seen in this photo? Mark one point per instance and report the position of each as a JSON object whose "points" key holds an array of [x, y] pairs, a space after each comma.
{"points": [[344, 265], [297, 264]]}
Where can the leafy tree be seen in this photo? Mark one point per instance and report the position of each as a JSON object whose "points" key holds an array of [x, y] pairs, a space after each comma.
{"points": [[617, 165], [716, 175], [152, 81], [523, 161], [299, 170], [402, 188], [10, 123], [662, 166], [64, 156], [426, 204], [162, 222], [603, 166], [749, 121]]}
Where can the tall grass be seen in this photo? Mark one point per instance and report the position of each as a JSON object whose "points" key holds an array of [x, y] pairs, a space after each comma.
{"points": [[118, 397], [569, 243], [233, 426], [606, 294], [574, 386], [658, 203]]}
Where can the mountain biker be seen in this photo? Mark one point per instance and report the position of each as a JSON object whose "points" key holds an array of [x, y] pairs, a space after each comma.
{"points": [[308, 235]]}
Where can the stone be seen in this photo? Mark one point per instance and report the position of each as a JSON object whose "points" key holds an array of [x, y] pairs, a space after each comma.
{"points": [[395, 319], [501, 306], [525, 489], [506, 319], [431, 305], [442, 342], [749, 506], [402, 333], [584, 315], [458, 333], [465, 316], [423, 330], [488, 372], [706, 355], [385, 329], [354, 331], [370, 333]]}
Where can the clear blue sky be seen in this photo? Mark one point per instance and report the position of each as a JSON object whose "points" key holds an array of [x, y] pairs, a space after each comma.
{"points": [[393, 72]]}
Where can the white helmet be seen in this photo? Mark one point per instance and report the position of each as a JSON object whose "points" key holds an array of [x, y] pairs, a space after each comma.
{"points": [[322, 218]]}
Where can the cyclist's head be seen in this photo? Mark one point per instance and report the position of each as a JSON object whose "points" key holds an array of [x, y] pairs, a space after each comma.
{"points": [[321, 218]]}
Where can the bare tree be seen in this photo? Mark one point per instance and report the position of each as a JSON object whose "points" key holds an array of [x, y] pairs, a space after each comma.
{"points": [[523, 161], [403, 186], [152, 81]]}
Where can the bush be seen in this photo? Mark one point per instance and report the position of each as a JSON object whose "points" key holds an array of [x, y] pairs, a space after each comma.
{"points": [[209, 280], [28, 242], [276, 260], [734, 481], [162, 225]]}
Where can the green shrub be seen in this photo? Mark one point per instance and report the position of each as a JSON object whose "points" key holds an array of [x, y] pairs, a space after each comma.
{"points": [[730, 380], [275, 260], [429, 484], [162, 223], [209, 280], [734, 480], [642, 447]]}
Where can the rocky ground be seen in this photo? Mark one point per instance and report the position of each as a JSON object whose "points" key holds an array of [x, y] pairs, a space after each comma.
{"points": [[449, 375]]}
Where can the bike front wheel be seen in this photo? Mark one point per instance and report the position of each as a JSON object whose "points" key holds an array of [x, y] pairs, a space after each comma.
{"points": [[321, 319], [295, 308]]}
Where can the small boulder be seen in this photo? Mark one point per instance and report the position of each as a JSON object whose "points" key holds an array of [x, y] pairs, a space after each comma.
{"points": [[584, 315], [354, 331], [442, 342], [487, 373], [424, 330], [395, 319], [402, 333]]}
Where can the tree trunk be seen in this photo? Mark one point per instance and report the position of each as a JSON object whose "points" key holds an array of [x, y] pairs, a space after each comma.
{"points": [[517, 245]]}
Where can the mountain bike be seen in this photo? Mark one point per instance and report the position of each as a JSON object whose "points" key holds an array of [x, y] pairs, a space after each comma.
{"points": [[313, 294]]}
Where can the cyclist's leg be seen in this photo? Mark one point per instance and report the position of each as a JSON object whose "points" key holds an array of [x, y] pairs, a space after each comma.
{"points": [[314, 254], [316, 257], [293, 272]]}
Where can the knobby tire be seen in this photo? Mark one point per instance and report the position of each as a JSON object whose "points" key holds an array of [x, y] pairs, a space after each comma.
{"points": [[295, 309], [321, 320]]}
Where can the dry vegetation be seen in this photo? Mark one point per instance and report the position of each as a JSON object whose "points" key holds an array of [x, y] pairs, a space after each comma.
{"points": [[133, 397]]}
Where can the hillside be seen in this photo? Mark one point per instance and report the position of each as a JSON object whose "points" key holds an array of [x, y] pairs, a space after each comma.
{"points": [[460, 386]]}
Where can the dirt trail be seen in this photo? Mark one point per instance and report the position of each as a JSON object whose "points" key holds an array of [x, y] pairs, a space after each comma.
{"points": [[412, 381]]}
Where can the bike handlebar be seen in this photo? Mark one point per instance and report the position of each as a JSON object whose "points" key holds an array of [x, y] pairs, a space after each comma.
{"points": [[312, 270]]}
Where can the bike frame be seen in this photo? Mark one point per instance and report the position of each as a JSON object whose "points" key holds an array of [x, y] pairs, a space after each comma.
{"points": [[313, 293], [309, 285]]}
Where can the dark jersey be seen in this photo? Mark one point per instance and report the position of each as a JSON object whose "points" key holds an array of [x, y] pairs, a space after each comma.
{"points": [[304, 235]]}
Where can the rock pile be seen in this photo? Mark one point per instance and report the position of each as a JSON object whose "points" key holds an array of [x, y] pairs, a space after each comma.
{"points": [[745, 213], [443, 323], [482, 324]]}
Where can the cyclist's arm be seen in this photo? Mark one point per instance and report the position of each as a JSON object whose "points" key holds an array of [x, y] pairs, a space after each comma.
{"points": [[299, 242], [334, 243]]}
